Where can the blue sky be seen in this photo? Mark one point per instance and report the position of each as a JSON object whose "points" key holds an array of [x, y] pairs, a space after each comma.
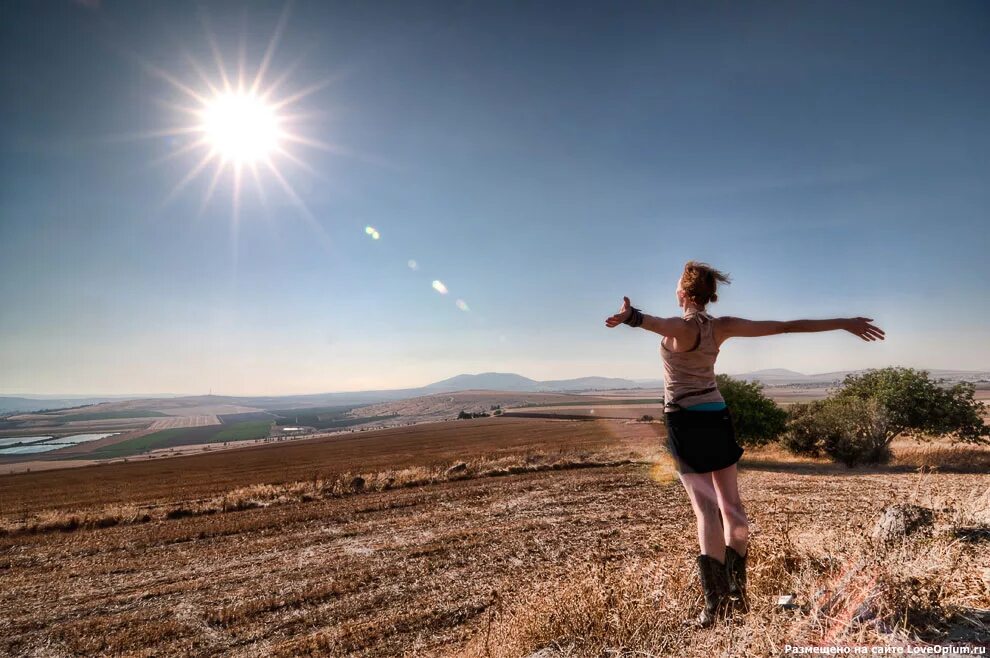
{"points": [[541, 161]]}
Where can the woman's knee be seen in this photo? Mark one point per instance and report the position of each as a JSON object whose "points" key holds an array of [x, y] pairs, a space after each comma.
{"points": [[739, 530]]}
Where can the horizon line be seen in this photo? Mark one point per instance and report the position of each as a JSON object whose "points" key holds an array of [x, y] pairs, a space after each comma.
{"points": [[401, 388]]}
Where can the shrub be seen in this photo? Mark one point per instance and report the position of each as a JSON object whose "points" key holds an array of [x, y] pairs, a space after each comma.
{"points": [[806, 423], [916, 403], [757, 419], [849, 430]]}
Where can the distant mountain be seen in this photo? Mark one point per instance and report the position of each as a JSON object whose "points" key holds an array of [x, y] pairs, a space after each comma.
{"points": [[773, 376], [488, 381], [781, 376], [588, 383], [507, 381], [28, 404], [492, 381]]}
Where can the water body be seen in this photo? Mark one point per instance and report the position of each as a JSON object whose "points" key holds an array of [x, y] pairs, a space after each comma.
{"points": [[9, 440], [40, 444]]}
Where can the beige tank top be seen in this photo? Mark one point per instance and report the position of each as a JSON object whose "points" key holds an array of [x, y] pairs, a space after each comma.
{"points": [[689, 377]]}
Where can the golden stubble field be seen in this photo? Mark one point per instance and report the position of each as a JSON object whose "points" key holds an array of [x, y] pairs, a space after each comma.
{"points": [[498, 536]]}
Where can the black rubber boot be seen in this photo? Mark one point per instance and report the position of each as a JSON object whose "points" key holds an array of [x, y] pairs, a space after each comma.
{"points": [[715, 586], [735, 572]]}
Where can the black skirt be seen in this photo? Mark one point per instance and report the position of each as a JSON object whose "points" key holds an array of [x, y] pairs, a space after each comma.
{"points": [[702, 441]]}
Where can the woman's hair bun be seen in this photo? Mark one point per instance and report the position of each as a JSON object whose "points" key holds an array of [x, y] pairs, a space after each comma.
{"points": [[700, 280]]}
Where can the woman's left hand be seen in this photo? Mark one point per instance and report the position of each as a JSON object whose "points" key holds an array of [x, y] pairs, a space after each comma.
{"points": [[621, 316]]}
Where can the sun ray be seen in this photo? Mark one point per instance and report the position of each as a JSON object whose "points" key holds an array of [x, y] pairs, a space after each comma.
{"points": [[269, 92], [151, 134], [257, 183], [185, 109], [236, 191], [241, 53], [300, 204], [212, 186], [188, 177], [300, 117], [205, 79], [272, 43], [178, 84], [235, 218], [298, 161], [215, 49], [303, 93], [308, 141], [179, 152]]}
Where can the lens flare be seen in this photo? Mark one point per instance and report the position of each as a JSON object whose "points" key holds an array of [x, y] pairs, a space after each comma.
{"points": [[461, 304], [370, 230], [413, 265], [439, 287], [663, 470]]}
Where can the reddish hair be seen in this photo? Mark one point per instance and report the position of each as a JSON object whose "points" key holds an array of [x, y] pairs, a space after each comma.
{"points": [[700, 280]]}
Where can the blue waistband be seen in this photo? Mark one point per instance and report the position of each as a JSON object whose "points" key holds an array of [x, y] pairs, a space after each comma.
{"points": [[706, 406]]}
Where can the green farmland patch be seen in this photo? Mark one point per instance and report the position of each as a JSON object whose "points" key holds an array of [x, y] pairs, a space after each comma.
{"points": [[183, 436], [255, 429]]}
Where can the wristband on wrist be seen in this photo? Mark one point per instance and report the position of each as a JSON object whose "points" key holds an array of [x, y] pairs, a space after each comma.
{"points": [[635, 318]]}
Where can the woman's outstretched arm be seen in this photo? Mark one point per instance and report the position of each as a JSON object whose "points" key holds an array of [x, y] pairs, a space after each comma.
{"points": [[739, 327], [676, 327]]}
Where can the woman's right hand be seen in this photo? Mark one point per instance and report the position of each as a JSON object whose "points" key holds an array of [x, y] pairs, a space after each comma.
{"points": [[622, 315], [861, 327]]}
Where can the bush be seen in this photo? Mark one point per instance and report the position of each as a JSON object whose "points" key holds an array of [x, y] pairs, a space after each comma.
{"points": [[849, 430], [806, 423], [757, 419], [915, 403]]}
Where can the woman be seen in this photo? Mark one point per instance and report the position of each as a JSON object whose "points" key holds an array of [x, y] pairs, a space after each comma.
{"points": [[700, 434]]}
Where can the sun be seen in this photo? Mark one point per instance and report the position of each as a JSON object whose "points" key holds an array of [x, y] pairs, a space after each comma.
{"points": [[241, 128], [243, 125]]}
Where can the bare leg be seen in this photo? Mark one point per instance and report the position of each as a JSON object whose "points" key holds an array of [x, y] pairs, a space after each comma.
{"points": [[733, 514], [700, 488]]}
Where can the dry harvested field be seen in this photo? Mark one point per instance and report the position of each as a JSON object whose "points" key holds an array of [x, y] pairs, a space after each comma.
{"points": [[572, 537], [184, 421], [628, 411], [449, 404]]}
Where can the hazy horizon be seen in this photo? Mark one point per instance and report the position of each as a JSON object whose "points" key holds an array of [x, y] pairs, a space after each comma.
{"points": [[933, 371], [474, 189]]}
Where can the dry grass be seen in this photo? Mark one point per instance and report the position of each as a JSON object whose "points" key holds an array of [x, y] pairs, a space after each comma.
{"points": [[208, 475], [941, 455], [475, 539], [266, 495], [856, 592]]}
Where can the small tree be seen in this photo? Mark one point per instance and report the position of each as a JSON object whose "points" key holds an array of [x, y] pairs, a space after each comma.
{"points": [[807, 422], [916, 403], [756, 418], [849, 430], [463, 415]]}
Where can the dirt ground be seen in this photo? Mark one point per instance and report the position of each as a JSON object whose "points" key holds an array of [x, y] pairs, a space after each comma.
{"points": [[409, 571]]}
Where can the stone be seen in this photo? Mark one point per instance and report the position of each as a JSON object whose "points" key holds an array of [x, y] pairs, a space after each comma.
{"points": [[899, 521], [460, 468]]}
